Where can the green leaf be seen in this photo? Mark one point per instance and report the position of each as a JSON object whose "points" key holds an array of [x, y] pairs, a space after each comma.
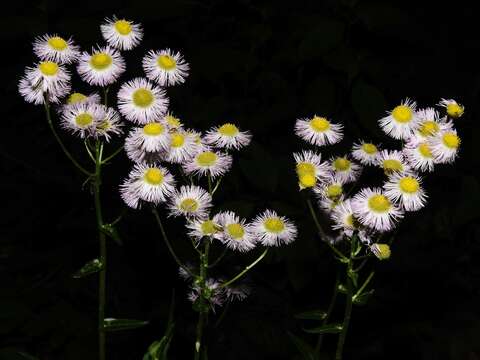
{"points": [[111, 324], [354, 276], [325, 329], [363, 297], [304, 348], [89, 268], [312, 315]]}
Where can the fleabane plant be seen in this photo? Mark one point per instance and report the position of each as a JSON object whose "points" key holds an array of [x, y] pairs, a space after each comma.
{"points": [[363, 216]]}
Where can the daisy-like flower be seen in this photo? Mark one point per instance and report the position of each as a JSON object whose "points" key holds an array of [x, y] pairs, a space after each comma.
{"points": [[309, 168], [381, 251], [375, 210], [365, 152], [111, 124], [402, 121], [342, 216], [344, 169], [82, 119], [190, 201], [392, 161], [152, 137], [121, 34], [419, 154], [319, 131], [406, 189], [273, 230], [102, 67], [45, 77], [182, 147], [236, 234], [140, 101], [208, 162], [454, 109], [173, 122], [137, 153], [165, 67], [55, 48], [214, 292], [77, 98], [430, 123], [149, 183], [228, 136], [331, 189], [204, 227], [444, 146]]}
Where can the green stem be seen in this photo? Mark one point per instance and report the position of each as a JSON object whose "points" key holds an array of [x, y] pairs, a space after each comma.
{"points": [[107, 159], [220, 257], [67, 153], [359, 291], [247, 268], [169, 246], [103, 250], [203, 306]]}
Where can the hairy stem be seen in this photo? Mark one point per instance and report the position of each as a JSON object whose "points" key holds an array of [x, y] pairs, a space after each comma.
{"points": [[203, 305], [247, 268]]}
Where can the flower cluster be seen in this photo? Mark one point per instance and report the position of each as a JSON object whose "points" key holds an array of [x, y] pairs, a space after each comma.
{"points": [[427, 139]]}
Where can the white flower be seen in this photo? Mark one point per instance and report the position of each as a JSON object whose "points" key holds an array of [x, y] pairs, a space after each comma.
{"points": [[182, 147], [173, 122], [318, 131], [217, 293], [208, 162], [141, 102], [228, 136], [190, 201], [152, 137], [102, 67], [454, 109], [77, 98], [373, 209], [135, 149], [236, 234], [444, 146], [366, 153], [204, 227], [110, 124], [309, 168], [121, 34], [45, 77], [419, 154], [165, 67], [344, 169], [273, 230], [392, 161], [55, 48], [402, 121], [342, 216], [407, 190], [149, 183], [430, 123], [83, 118], [331, 188]]}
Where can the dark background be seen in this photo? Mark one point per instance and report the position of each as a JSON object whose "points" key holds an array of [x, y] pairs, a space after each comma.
{"points": [[261, 65]]}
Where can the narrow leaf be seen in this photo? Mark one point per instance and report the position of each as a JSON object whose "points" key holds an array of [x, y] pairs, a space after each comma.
{"points": [[363, 297], [312, 315], [122, 324], [89, 268], [304, 348], [325, 329]]}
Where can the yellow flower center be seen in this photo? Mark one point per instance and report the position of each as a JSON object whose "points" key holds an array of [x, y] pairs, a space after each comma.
{"points": [[236, 231], [424, 150], [189, 205], [305, 168], [274, 224], [48, 68], [382, 251], [334, 191], [166, 62], [451, 140], [392, 165], [307, 180], [209, 227], [123, 27], [177, 140], [207, 158], [75, 98], [142, 98], [319, 124], [83, 120], [369, 148], [154, 176], [379, 203], [104, 125], [402, 114], [341, 164], [153, 129], [455, 110], [57, 43], [428, 128], [350, 221], [408, 185], [100, 61], [173, 121], [228, 129]]}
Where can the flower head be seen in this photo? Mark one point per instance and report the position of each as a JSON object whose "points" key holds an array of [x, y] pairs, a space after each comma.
{"points": [[236, 234], [444, 146], [206, 161], [121, 34], [109, 125], [55, 48], [343, 218], [406, 189], [190, 201], [419, 154], [165, 67], [454, 109], [82, 119], [228, 136], [319, 131], [273, 230], [204, 227], [365, 152], [309, 168], [102, 67], [182, 147], [402, 121], [344, 169], [392, 161]]}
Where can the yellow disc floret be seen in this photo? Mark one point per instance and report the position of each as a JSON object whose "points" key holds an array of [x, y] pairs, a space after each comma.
{"points": [[391, 165], [424, 150], [369, 149], [379, 203], [274, 224], [142, 98], [123, 27], [381, 251], [455, 110], [451, 140], [172, 121], [75, 98], [305, 168], [429, 128], [402, 114], [307, 180], [228, 129], [236, 231], [177, 140], [48, 68], [83, 119], [408, 185], [319, 124], [207, 158], [209, 227], [100, 61], [334, 191], [154, 176], [57, 43], [166, 62], [189, 205], [153, 129], [341, 164]]}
